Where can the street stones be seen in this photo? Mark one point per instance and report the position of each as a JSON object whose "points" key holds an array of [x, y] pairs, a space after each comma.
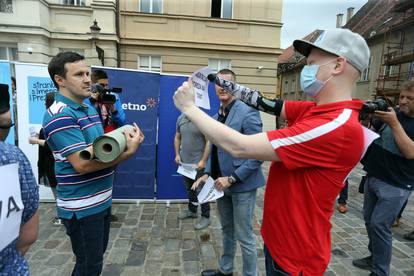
{"points": [[148, 239]]}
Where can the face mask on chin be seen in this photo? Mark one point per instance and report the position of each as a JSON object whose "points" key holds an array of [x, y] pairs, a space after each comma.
{"points": [[308, 81]]}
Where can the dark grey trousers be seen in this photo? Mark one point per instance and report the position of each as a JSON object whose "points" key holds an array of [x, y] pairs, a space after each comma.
{"points": [[382, 203]]}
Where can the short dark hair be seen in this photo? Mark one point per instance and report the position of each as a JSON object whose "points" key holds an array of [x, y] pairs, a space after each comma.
{"points": [[50, 98], [407, 86], [98, 75], [57, 64], [227, 72]]}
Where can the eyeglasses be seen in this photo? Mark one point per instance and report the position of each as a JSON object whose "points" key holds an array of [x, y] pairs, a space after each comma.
{"points": [[7, 127]]}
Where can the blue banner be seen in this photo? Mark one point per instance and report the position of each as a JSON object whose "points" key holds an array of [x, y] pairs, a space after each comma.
{"points": [[5, 78], [169, 183], [135, 178]]}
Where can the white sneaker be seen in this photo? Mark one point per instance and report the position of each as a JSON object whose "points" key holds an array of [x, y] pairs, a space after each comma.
{"points": [[57, 221]]}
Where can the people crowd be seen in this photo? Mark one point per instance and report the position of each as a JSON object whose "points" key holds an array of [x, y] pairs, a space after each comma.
{"points": [[311, 157]]}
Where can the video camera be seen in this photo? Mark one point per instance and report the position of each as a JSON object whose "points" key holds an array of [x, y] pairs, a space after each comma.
{"points": [[369, 107], [105, 96]]}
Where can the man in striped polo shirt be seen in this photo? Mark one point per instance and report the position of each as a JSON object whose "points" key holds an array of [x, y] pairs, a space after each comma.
{"points": [[84, 191], [311, 157]]}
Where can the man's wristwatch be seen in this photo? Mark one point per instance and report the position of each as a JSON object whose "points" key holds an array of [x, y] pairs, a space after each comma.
{"points": [[231, 179]]}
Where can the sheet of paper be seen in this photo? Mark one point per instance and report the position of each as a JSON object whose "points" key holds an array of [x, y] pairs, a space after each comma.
{"points": [[369, 137], [200, 84], [208, 192], [188, 170], [11, 204]]}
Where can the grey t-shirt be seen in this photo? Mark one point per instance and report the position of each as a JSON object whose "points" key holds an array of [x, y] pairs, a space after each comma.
{"points": [[193, 141]]}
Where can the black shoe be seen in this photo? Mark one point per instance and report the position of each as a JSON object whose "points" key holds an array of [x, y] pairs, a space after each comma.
{"points": [[214, 272], [364, 263], [409, 236]]}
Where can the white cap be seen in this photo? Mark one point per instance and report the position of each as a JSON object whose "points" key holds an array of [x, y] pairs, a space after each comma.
{"points": [[340, 42]]}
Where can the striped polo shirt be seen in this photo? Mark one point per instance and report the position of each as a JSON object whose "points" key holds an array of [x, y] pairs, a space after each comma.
{"points": [[70, 127]]}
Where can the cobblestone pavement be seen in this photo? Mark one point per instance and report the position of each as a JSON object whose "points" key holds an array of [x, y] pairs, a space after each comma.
{"points": [[149, 240]]}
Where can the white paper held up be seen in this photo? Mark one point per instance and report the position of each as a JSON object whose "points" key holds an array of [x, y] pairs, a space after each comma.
{"points": [[200, 85]]}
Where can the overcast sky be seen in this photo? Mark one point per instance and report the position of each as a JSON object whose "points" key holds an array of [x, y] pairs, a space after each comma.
{"points": [[301, 17]]}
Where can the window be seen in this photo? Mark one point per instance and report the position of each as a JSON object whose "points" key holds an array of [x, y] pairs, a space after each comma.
{"points": [[365, 73], [218, 64], [150, 6], [410, 70], [79, 51], [74, 2], [389, 69], [222, 9], [6, 6], [293, 87], [286, 88], [8, 53], [300, 95], [149, 63]]}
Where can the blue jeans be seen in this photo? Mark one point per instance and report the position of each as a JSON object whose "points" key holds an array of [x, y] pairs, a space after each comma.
{"points": [[89, 238], [236, 217], [382, 203]]}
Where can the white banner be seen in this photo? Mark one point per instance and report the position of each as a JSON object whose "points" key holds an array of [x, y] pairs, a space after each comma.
{"points": [[11, 205], [33, 82]]}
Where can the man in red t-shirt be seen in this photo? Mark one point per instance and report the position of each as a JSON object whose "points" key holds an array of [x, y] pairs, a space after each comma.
{"points": [[311, 158]]}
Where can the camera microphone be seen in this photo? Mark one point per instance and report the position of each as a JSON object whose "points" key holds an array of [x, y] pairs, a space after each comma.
{"points": [[241, 92]]}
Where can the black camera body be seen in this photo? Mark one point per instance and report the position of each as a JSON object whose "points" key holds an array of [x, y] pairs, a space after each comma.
{"points": [[369, 107], [105, 96]]}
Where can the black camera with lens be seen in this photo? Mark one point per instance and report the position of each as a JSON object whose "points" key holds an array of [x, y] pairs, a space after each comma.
{"points": [[105, 96], [369, 107]]}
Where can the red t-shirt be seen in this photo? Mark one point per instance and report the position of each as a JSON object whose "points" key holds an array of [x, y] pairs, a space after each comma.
{"points": [[317, 151]]}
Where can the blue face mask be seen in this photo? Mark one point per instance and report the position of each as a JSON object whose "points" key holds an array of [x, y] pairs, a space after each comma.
{"points": [[308, 81]]}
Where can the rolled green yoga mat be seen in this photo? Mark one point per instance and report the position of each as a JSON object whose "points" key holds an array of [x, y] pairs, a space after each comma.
{"points": [[109, 146]]}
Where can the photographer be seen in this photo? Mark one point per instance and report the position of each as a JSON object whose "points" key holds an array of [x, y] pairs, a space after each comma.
{"points": [[112, 115], [389, 163]]}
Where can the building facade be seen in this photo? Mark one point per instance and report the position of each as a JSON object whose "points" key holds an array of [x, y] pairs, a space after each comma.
{"points": [[168, 36], [388, 28]]}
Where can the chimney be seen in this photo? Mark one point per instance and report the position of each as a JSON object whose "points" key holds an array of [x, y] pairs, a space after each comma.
{"points": [[339, 20], [349, 13]]}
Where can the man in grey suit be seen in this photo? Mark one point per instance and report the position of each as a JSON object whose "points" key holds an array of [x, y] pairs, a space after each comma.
{"points": [[239, 179]]}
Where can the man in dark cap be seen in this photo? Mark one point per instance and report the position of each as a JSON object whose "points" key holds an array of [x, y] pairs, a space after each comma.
{"points": [[19, 226]]}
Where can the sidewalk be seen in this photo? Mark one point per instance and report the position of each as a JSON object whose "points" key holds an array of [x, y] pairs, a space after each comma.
{"points": [[149, 240]]}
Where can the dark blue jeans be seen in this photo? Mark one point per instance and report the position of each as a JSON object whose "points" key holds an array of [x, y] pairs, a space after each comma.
{"points": [[343, 195], [272, 268], [192, 196], [89, 238]]}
